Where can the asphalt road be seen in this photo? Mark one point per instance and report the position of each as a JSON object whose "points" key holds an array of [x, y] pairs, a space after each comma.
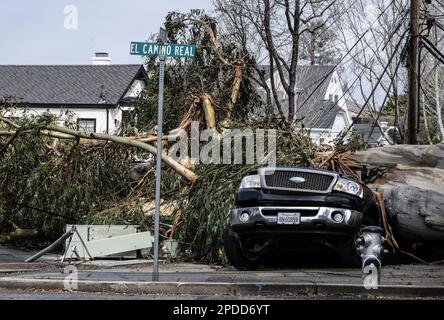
{"points": [[62, 295], [134, 277]]}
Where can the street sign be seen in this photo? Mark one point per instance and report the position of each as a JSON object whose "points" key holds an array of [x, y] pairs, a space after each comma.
{"points": [[162, 50], [168, 50]]}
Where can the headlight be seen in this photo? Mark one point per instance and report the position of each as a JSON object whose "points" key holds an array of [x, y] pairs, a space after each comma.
{"points": [[250, 182], [348, 186]]}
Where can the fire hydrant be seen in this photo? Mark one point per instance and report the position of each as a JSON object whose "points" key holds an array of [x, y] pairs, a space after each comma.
{"points": [[370, 247]]}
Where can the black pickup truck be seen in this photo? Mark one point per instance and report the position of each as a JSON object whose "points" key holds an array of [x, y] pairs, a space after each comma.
{"points": [[282, 209]]}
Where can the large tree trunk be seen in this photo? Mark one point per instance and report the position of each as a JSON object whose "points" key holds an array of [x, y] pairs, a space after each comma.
{"points": [[413, 188]]}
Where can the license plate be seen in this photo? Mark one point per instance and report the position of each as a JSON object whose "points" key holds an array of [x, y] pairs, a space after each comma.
{"points": [[288, 218]]}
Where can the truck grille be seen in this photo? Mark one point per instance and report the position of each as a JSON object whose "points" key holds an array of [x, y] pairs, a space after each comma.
{"points": [[314, 181], [303, 212]]}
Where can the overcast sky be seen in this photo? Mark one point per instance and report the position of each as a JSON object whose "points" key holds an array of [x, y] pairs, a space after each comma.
{"points": [[34, 32]]}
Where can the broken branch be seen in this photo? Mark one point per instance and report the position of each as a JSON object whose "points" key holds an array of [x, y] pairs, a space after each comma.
{"points": [[181, 170]]}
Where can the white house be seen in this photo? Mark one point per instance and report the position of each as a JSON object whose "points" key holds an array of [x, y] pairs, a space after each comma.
{"points": [[97, 95], [320, 102]]}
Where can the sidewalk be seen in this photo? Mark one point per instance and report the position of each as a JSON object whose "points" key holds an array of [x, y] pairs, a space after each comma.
{"points": [[134, 277]]}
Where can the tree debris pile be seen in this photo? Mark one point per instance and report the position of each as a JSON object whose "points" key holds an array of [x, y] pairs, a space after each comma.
{"points": [[46, 183], [205, 205], [51, 175]]}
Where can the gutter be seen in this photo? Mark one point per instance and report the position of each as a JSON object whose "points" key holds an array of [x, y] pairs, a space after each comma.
{"points": [[107, 120]]}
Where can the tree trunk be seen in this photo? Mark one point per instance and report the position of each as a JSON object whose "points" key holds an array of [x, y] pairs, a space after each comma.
{"points": [[413, 188]]}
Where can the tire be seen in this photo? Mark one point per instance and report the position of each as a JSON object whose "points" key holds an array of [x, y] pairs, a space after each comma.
{"points": [[235, 255], [348, 255]]}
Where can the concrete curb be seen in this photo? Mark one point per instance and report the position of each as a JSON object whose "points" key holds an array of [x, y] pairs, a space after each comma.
{"points": [[220, 288]]}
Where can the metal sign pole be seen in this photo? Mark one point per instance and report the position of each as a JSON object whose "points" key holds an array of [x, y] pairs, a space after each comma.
{"points": [[162, 50], [159, 158]]}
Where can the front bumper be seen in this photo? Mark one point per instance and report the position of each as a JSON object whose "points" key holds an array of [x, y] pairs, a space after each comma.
{"points": [[312, 220]]}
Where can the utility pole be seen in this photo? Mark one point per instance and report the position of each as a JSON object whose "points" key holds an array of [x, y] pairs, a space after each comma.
{"points": [[413, 73]]}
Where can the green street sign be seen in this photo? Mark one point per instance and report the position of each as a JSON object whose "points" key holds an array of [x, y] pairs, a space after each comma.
{"points": [[168, 50]]}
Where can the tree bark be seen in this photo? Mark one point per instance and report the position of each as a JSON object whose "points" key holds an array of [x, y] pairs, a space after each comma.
{"points": [[181, 170], [413, 188]]}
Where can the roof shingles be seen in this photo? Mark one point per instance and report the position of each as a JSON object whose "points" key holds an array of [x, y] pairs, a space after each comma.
{"points": [[67, 84], [312, 82]]}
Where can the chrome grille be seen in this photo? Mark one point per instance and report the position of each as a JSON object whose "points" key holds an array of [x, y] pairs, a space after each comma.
{"points": [[304, 212], [314, 181]]}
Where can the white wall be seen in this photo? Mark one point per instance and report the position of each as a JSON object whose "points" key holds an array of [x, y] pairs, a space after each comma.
{"points": [[335, 88], [135, 89], [341, 123], [91, 112], [115, 119], [328, 135], [319, 135], [63, 114]]}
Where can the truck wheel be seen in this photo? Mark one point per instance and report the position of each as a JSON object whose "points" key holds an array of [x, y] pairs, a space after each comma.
{"points": [[235, 254], [348, 254]]}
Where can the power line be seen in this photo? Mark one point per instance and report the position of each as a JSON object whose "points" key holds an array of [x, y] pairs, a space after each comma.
{"points": [[361, 74], [392, 80], [371, 61], [347, 53], [432, 49], [439, 1], [374, 88]]}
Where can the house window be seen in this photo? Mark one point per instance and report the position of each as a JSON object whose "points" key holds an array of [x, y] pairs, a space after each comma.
{"points": [[86, 125], [336, 98]]}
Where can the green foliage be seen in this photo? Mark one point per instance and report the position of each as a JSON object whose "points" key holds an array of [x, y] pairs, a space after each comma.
{"points": [[354, 142], [390, 106], [46, 184], [204, 207], [187, 79]]}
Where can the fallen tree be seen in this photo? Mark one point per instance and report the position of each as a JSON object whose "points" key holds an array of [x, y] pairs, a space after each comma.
{"points": [[410, 179], [413, 187], [90, 183], [54, 131]]}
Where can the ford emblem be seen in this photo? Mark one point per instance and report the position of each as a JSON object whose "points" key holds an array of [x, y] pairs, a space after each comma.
{"points": [[297, 180]]}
